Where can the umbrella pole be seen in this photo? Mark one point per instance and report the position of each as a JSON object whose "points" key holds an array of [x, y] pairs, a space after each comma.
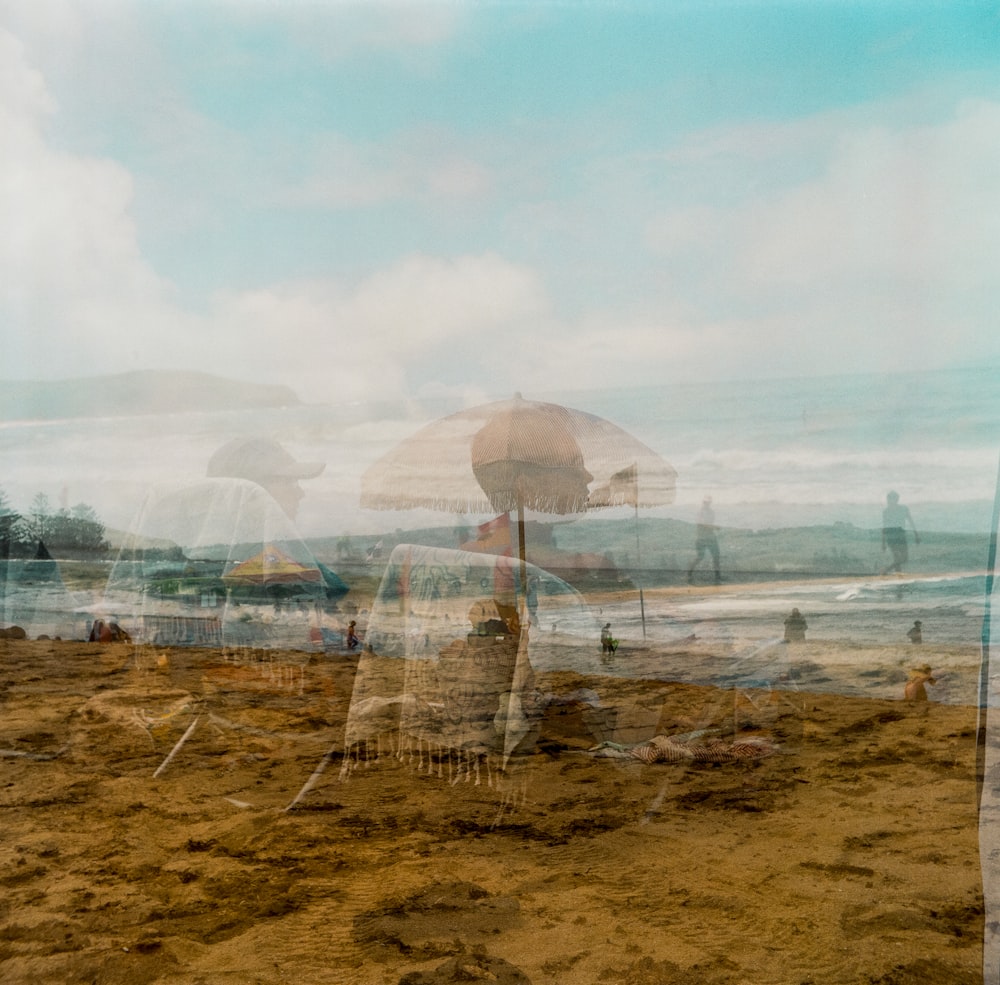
{"points": [[523, 557], [638, 567]]}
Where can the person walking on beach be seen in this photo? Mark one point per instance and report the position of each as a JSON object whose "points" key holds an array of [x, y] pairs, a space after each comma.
{"points": [[705, 540], [895, 516], [531, 596], [916, 633]]}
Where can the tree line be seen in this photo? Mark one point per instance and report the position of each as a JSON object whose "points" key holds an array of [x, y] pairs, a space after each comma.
{"points": [[43, 531]]}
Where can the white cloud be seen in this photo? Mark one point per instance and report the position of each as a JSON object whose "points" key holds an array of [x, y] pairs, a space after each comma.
{"points": [[327, 339], [26, 98], [70, 264], [919, 202], [79, 297], [421, 164], [890, 248], [56, 23], [829, 233], [398, 26], [425, 301], [914, 205]]}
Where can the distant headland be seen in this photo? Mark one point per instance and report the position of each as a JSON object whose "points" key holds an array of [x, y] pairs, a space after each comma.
{"points": [[140, 392]]}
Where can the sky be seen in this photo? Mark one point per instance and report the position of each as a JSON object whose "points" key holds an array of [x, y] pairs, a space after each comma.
{"points": [[465, 199]]}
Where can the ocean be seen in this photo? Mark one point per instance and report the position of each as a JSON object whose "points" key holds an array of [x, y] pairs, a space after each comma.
{"points": [[771, 453], [782, 453]]}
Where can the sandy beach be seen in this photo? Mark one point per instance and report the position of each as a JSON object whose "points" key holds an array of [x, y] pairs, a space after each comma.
{"points": [[498, 492], [848, 856]]}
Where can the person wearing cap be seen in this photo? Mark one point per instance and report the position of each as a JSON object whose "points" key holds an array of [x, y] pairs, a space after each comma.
{"points": [[264, 461], [242, 514]]}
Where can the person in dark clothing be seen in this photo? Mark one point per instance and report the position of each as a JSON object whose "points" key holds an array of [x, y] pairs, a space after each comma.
{"points": [[706, 541]]}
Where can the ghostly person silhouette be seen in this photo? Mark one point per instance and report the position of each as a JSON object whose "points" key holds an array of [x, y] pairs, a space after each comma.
{"points": [[221, 562]]}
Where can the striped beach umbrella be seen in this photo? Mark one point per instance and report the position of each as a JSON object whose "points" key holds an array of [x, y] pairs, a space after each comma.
{"points": [[515, 455]]}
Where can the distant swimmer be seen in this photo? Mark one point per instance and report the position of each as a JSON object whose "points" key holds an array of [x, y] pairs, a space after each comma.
{"points": [[895, 517], [916, 633], [795, 627]]}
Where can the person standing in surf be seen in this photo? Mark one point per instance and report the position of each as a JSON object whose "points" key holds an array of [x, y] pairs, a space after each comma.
{"points": [[705, 541], [895, 517]]}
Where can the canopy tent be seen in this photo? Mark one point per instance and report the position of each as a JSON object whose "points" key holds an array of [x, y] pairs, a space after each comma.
{"points": [[273, 573]]}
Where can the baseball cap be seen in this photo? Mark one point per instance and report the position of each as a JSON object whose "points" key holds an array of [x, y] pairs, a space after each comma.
{"points": [[259, 458]]}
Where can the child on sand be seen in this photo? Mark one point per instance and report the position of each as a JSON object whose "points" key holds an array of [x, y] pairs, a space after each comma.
{"points": [[915, 689]]}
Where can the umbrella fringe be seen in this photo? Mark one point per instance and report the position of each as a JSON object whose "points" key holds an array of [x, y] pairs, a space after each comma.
{"points": [[452, 765], [399, 499]]}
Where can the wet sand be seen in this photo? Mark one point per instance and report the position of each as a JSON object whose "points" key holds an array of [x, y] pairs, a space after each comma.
{"points": [[848, 857]]}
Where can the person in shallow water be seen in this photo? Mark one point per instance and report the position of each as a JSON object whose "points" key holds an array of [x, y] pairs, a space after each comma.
{"points": [[705, 540], [895, 517], [795, 627]]}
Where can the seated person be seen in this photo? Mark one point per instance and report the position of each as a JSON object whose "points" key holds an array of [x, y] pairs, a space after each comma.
{"points": [[493, 618]]}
